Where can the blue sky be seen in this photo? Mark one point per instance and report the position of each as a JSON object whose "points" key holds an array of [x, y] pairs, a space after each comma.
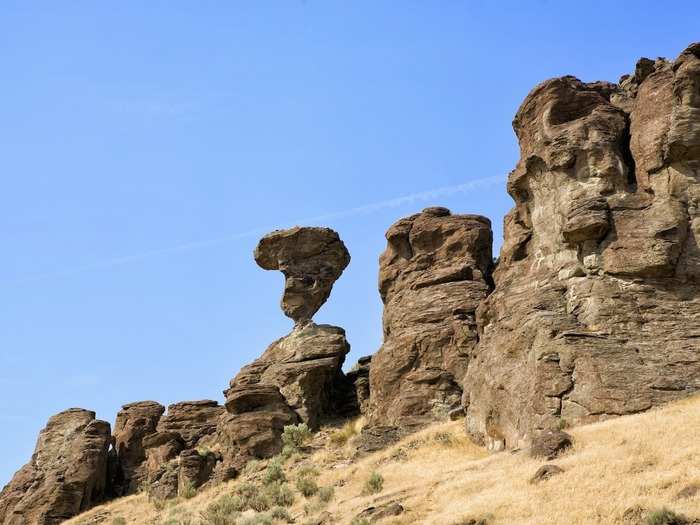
{"points": [[146, 146]]}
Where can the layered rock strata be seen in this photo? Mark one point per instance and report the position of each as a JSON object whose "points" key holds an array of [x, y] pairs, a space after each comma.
{"points": [[435, 271], [299, 377], [596, 310], [66, 475]]}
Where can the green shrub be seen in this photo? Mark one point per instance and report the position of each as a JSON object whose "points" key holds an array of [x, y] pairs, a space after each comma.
{"points": [[280, 494], [223, 511], [359, 521], [274, 472], [665, 516], [374, 484], [281, 514], [246, 490], [325, 494], [307, 486], [119, 521], [296, 436], [307, 471]]}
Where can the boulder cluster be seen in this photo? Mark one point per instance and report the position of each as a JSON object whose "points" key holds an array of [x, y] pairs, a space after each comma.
{"points": [[591, 311]]}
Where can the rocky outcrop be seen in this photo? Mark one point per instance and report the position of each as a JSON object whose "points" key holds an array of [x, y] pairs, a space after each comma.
{"points": [[596, 307], [134, 423], [311, 260], [298, 376], [434, 273], [191, 420], [66, 475]]}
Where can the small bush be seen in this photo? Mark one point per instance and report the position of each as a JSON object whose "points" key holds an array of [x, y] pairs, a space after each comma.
{"points": [[260, 502], [444, 438], [246, 490], [359, 521], [665, 516], [280, 494], [374, 484], [274, 472], [307, 486], [119, 521], [325, 494], [296, 436], [307, 471], [188, 491], [281, 514], [223, 511]]}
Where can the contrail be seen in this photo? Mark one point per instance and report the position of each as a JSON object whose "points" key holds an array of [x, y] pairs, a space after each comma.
{"points": [[350, 212]]}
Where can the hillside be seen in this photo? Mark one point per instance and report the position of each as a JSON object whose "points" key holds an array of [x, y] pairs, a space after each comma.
{"points": [[617, 472]]}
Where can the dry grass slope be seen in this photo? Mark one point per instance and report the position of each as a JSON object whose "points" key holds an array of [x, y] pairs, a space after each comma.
{"points": [[618, 472]]}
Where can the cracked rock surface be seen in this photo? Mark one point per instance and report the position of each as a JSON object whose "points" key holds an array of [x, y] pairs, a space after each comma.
{"points": [[433, 274], [596, 309]]}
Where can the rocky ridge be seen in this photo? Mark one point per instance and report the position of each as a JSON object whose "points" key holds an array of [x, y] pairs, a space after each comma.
{"points": [[592, 311]]}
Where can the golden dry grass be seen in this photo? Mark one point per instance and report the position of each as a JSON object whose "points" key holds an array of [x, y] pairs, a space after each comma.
{"points": [[441, 478]]}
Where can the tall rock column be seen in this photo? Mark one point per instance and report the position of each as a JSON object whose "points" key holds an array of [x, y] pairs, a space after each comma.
{"points": [[433, 274], [297, 378], [597, 301]]}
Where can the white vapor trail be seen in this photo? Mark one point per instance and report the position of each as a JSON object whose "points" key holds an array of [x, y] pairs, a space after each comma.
{"points": [[350, 212]]}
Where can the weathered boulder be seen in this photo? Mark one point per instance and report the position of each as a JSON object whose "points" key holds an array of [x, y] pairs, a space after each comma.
{"points": [[549, 444], [311, 260], [134, 423], [191, 420], [596, 306], [434, 273], [544, 473], [66, 475], [358, 376]]}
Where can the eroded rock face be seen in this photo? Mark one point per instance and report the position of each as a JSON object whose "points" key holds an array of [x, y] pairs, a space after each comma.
{"points": [[293, 381], [433, 274], [311, 260], [596, 310], [134, 423], [66, 475], [191, 420]]}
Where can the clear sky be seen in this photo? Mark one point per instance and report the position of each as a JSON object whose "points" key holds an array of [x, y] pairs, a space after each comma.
{"points": [[146, 146]]}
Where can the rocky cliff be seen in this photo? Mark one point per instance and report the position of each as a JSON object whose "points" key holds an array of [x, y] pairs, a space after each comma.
{"points": [[596, 309]]}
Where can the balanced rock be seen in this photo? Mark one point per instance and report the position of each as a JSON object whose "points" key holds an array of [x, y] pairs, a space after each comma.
{"points": [[66, 475], [311, 260], [134, 423], [299, 377], [596, 306], [433, 274]]}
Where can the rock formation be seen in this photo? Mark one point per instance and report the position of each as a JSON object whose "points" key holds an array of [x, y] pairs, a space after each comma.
{"points": [[135, 422], [596, 309], [434, 273], [296, 378], [311, 260], [66, 475]]}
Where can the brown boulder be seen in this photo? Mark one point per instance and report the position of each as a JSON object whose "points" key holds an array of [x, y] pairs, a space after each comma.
{"points": [[549, 444], [66, 475], [311, 260], [599, 274], [433, 274], [544, 473], [134, 423]]}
